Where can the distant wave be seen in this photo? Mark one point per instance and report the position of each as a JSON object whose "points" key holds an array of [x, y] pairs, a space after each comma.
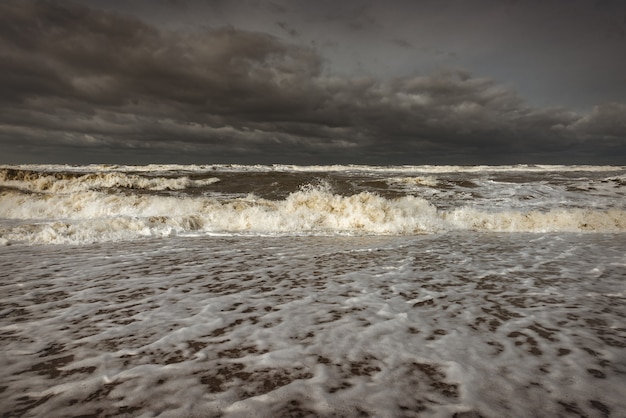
{"points": [[192, 168], [68, 182]]}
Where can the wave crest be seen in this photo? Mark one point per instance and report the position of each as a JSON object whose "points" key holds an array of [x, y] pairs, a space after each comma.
{"points": [[59, 182], [93, 216]]}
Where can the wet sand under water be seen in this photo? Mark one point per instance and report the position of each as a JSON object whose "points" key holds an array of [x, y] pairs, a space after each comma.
{"points": [[456, 324]]}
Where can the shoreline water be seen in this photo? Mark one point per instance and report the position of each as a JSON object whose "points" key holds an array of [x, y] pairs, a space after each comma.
{"points": [[171, 293], [489, 324]]}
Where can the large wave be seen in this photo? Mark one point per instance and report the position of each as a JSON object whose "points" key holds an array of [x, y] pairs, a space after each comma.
{"points": [[94, 216]]}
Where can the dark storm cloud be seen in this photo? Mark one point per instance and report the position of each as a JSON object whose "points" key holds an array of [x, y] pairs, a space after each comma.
{"points": [[106, 86], [285, 27], [607, 121], [402, 43]]}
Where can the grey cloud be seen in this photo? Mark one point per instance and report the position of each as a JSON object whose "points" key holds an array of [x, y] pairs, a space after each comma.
{"points": [[285, 27], [606, 121], [88, 53], [402, 43], [552, 53], [89, 81]]}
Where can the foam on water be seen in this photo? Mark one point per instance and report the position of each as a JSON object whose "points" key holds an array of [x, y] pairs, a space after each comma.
{"points": [[236, 291], [51, 182], [322, 168], [428, 181], [459, 324], [93, 216]]}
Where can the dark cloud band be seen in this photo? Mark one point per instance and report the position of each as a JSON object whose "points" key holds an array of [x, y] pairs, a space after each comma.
{"points": [[80, 80]]}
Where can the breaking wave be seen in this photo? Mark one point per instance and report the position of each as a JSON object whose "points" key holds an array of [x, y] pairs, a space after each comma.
{"points": [[68, 182], [89, 216]]}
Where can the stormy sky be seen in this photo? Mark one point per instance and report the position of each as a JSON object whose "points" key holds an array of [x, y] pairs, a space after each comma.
{"points": [[313, 82]]}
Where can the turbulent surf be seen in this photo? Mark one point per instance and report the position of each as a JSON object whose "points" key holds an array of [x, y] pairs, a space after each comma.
{"points": [[237, 291], [40, 204]]}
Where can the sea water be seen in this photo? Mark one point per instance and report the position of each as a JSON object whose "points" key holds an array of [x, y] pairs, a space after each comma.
{"points": [[240, 291]]}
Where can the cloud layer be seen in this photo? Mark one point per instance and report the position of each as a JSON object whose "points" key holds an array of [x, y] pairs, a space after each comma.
{"points": [[81, 84]]}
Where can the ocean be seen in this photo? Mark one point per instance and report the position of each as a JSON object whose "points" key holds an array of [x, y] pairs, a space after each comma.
{"points": [[330, 291]]}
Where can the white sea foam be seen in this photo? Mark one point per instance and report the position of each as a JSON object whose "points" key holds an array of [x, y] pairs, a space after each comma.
{"points": [[491, 325], [428, 181], [312, 291], [538, 168], [60, 204], [55, 183], [95, 216]]}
